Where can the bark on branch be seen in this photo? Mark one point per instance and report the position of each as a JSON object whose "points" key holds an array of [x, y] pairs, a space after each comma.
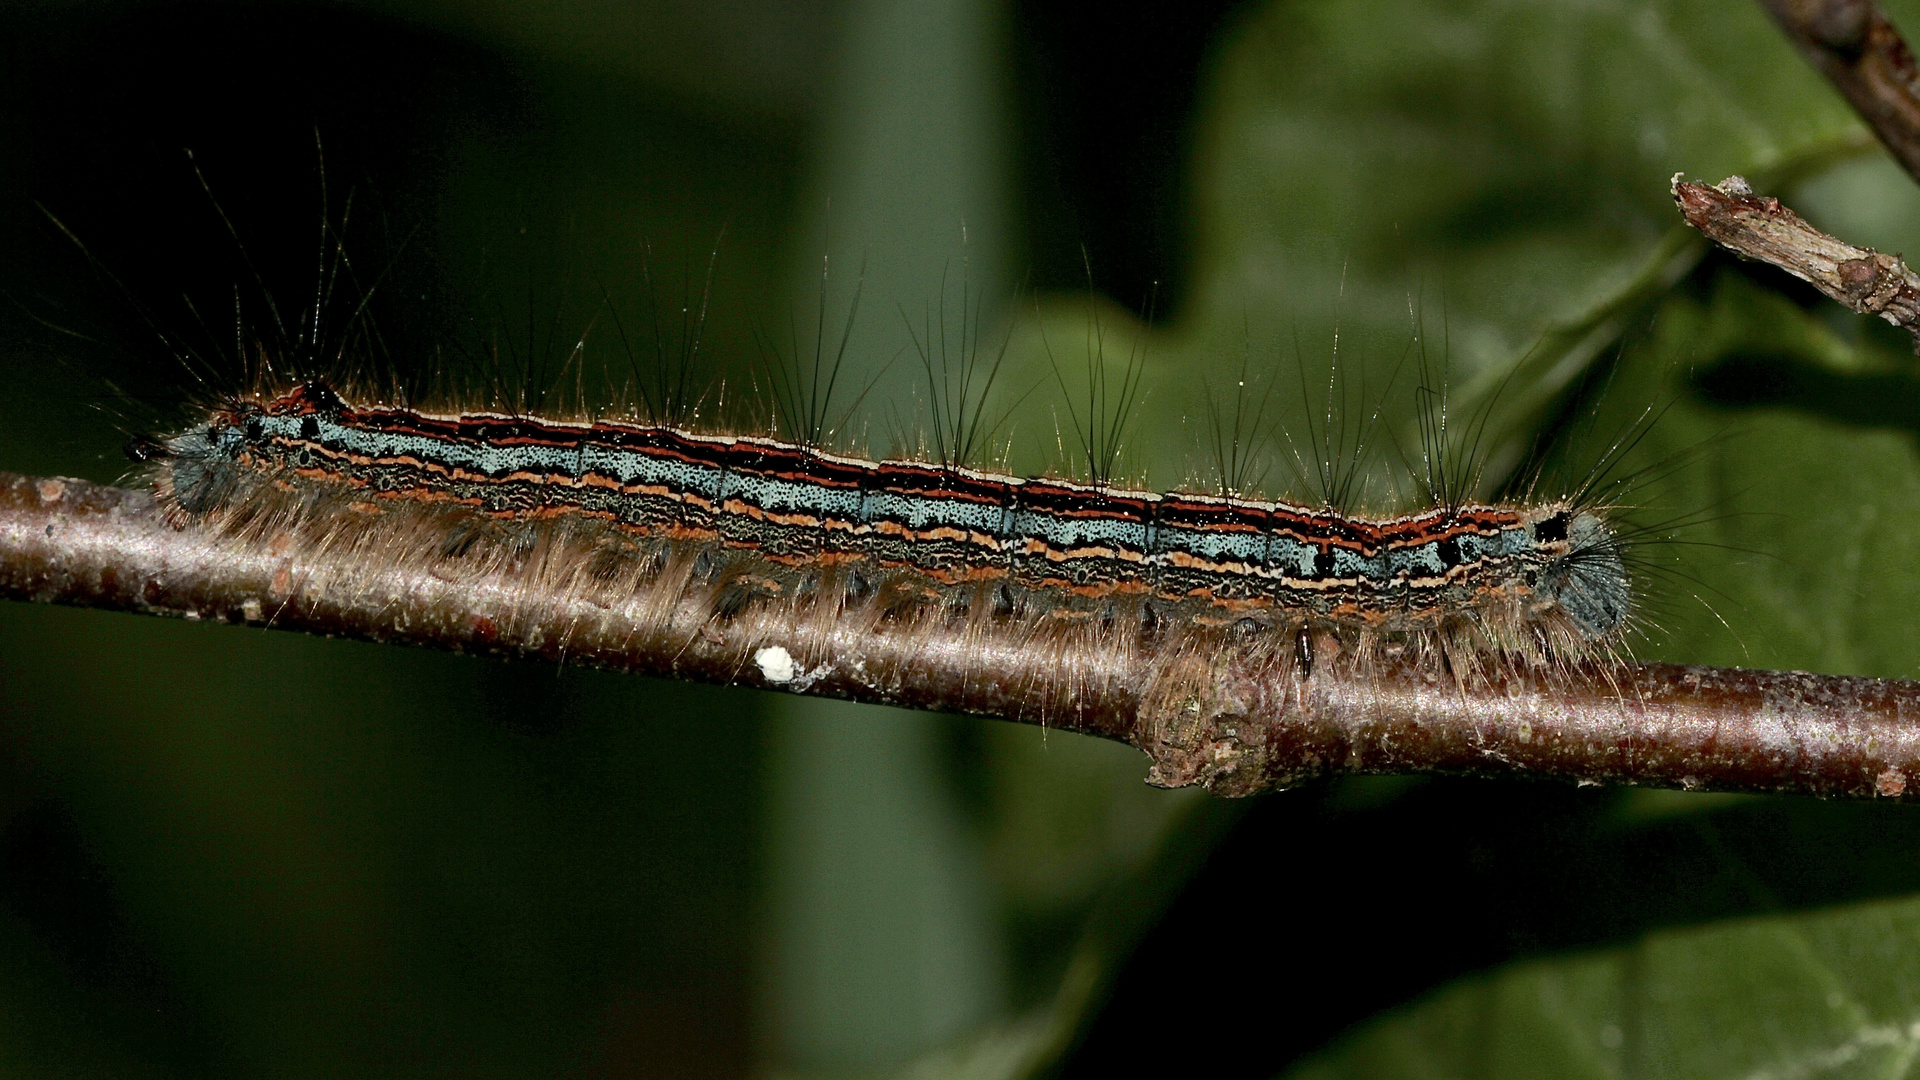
{"points": [[1760, 227], [71, 542], [1856, 47]]}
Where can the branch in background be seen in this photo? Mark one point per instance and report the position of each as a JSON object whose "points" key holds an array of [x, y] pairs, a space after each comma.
{"points": [[1856, 47], [1759, 227], [71, 542]]}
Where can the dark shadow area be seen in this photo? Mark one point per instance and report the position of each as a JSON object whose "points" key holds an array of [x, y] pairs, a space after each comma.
{"points": [[1749, 379], [66, 900], [489, 869], [1762, 378], [1108, 103], [128, 279], [1309, 919], [180, 183]]}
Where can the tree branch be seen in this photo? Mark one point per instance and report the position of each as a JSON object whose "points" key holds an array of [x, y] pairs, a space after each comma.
{"points": [[1856, 47], [1760, 227], [72, 542]]}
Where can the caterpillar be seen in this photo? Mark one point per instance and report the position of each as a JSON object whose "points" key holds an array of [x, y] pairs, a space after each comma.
{"points": [[739, 520]]}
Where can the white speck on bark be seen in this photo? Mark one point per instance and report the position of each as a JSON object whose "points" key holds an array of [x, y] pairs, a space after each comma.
{"points": [[776, 664]]}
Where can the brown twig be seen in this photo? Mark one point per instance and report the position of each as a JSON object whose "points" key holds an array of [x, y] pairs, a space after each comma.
{"points": [[71, 542], [1759, 227], [1856, 47]]}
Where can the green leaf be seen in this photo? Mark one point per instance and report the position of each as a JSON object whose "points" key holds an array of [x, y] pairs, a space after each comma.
{"points": [[1784, 454], [1821, 994], [1491, 178]]}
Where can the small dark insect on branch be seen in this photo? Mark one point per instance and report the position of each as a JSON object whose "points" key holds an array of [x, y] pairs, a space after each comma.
{"points": [[1238, 729]]}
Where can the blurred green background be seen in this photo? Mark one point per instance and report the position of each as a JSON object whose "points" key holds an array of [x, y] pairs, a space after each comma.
{"points": [[233, 852]]}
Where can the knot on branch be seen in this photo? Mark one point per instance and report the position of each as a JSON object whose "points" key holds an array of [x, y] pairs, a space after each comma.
{"points": [[1189, 724], [1238, 728], [1870, 284]]}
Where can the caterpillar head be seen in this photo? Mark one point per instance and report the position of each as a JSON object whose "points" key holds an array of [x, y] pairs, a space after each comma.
{"points": [[201, 465], [1581, 572]]}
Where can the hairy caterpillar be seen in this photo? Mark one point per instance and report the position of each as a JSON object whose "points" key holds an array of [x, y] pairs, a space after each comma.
{"points": [[740, 520]]}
